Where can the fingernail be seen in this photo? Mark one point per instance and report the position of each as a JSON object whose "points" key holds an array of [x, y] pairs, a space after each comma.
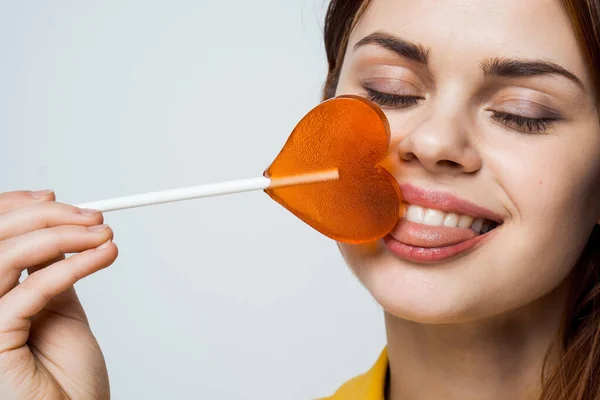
{"points": [[98, 228], [88, 212], [38, 194], [104, 245]]}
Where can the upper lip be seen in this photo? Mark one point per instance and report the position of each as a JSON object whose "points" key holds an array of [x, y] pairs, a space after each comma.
{"points": [[445, 201]]}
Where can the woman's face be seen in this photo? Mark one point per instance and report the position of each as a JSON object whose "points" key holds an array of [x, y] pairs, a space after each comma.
{"points": [[493, 121]]}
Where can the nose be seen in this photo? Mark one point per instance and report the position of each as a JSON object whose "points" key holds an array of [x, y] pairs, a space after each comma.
{"points": [[441, 145]]}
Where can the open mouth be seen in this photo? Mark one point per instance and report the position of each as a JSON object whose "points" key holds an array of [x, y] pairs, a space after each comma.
{"points": [[437, 225], [429, 235], [433, 217]]}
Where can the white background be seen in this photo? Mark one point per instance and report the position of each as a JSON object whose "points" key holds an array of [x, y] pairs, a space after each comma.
{"points": [[220, 298]]}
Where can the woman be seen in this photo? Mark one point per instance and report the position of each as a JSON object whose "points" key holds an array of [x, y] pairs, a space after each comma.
{"points": [[489, 280], [489, 283]]}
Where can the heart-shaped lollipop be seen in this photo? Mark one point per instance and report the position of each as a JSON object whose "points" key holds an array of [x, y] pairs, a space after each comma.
{"points": [[352, 135], [327, 174]]}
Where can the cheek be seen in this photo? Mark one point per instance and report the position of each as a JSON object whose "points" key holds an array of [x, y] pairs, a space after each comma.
{"points": [[358, 255], [551, 181]]}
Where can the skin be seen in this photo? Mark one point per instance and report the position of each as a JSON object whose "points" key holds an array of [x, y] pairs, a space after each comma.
{"points": [[477, 326], [47, 349], [469, 328]]}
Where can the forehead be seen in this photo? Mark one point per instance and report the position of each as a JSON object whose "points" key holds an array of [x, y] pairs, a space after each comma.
{"points": [[460, 33]]}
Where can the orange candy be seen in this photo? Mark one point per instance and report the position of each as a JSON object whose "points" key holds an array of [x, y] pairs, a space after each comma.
{"points": [[351, 134]]}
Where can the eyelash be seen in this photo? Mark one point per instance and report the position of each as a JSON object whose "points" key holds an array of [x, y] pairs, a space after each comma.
{"points": [[523, 124], [391, 100], [513, 121]]}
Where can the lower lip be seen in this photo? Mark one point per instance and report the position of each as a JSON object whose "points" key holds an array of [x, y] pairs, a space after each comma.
{"points": [[433, 254]]}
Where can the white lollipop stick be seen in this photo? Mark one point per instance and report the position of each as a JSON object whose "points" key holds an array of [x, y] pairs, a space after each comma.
{"points": [[214, 189]]}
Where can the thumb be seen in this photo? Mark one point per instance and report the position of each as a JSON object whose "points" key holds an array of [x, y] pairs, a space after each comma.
{"points": [[38, 289]]}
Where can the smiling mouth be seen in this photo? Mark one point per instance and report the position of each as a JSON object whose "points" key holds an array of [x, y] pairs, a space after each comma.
{"points": [[434, 217], [428, 228], [427, 234], [433, 241]]}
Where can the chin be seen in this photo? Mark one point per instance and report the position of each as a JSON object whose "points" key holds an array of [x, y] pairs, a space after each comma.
{"points": [[443, 294], [428, 313], [422, 307]]}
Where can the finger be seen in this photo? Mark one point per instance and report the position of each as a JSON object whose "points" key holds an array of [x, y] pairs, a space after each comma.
{"points": [[38, 247], [36, 268], [66, 304], [30, 297], [31, 217], [11, 200]]}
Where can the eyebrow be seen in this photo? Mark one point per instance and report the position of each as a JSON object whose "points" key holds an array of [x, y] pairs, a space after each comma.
{"points": [[401, 47], [511, 68], [496, 66]]}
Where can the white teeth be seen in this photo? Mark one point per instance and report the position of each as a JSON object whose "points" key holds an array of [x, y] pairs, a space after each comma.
{"points": [[433, 217], [451, 220], [415, 214], [465, 221], [477, 225]]}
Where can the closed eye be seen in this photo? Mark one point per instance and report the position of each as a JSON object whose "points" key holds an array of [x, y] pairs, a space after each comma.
{"points": [[512, 121], [523, 124], [391, 100]]}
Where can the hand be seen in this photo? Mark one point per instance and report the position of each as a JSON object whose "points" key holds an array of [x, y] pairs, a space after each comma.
{"points": [[47, 350]]}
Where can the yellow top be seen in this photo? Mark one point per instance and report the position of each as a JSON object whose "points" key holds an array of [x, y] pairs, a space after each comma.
{"points": [[368, 386]]}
